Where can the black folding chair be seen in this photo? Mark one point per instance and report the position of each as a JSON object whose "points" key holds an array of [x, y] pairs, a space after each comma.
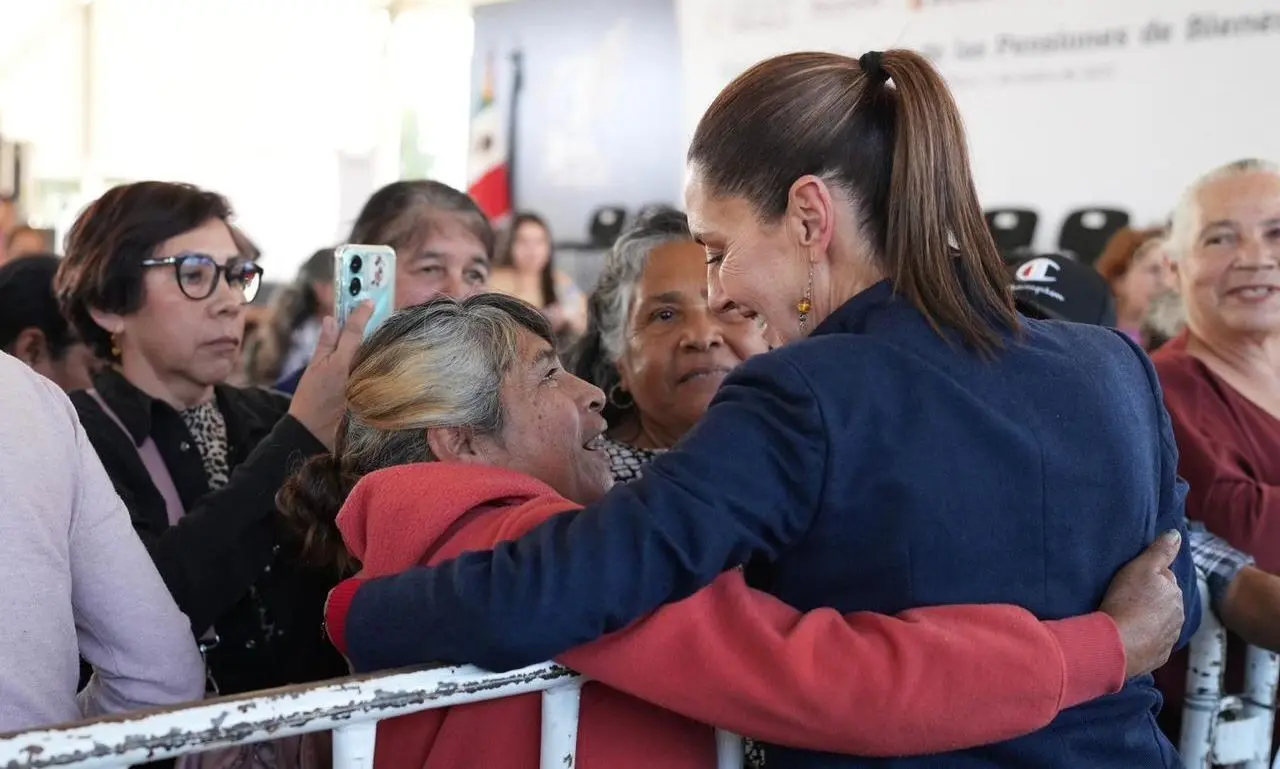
{"points": [[1014, 229], [1086, 231], [606, 225]]}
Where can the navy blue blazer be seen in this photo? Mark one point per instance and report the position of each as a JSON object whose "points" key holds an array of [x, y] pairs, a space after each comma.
{"points": [[872, 466]]}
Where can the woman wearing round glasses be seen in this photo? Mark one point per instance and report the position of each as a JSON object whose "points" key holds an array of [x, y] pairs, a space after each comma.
{"points": [[155, 282]]}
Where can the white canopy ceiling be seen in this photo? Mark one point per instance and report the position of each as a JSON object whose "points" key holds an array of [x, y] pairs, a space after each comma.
{"points": [[24, 23], [271, 102]]}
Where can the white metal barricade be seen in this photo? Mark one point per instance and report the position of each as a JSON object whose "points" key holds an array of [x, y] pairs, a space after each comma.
{"points": [[1220, 729], [349, 707]]}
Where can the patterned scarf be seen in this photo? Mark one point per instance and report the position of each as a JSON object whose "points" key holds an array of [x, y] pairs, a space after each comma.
{"points": [[209, 429]]}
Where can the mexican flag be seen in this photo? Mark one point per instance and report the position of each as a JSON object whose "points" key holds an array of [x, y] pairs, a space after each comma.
{"points": [[489, 161]]}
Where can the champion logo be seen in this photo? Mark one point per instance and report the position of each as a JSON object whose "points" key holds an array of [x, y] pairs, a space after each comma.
{"points": [[1038, 271]]}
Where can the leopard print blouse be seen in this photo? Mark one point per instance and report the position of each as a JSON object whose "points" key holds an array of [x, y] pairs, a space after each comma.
{"points": [[209, 429]]}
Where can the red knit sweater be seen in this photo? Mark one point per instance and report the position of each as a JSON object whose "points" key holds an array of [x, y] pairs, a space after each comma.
{"points": [[928, 680]]}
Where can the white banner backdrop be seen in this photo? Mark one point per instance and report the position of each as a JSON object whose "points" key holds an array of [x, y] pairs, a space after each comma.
{"points": [[1067, 102]]}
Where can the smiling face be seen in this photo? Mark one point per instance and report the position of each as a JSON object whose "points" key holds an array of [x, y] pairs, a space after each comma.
{"points": [[1228, 270], [754, 267], [551, 425], [678, 349]]}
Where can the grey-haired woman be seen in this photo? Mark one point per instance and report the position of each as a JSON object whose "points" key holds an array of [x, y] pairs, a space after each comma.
{"points": [[653, 343]]}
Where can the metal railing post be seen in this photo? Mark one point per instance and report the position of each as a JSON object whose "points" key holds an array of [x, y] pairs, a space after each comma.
{"points": [[353, 745], [560, 711], [729, 750], [1203, 702], [1225, 729], [1262, 670]]}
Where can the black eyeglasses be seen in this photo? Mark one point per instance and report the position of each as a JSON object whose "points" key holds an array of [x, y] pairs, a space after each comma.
{"points": [[198, 274]]}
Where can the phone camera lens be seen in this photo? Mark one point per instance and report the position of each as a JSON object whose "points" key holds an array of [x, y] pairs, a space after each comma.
{"points": [[355, 287], [356, 263]]}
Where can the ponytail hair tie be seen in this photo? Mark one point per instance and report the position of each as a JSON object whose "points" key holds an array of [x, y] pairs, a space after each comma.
{"points": [[872, 65]]}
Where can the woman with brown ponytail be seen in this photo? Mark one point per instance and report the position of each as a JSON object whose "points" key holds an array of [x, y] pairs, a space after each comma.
{"points": [[912, 441]]}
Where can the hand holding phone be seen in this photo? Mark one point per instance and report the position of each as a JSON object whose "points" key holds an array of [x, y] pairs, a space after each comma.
{"points": [[364, 274], [320, 400]]}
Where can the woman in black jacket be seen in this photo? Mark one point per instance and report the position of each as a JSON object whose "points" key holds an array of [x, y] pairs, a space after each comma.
{"points": [[154, 281]]}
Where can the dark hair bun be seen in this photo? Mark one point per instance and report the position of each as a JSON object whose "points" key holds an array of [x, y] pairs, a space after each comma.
{"points": [[309, 503]]}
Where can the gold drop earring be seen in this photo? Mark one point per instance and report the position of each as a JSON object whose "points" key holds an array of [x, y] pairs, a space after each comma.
{"points": [[805, 305]]}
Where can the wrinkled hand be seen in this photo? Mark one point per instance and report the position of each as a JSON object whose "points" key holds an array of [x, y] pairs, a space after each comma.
{"points": [[320, 400], [1146, 603]]}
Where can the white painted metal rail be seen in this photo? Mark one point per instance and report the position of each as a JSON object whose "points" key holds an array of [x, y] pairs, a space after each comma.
{"points": [[349, 707], [1220, 729]]}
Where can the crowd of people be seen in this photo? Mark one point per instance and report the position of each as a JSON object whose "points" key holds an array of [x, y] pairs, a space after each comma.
{"points": [[812, 462]]}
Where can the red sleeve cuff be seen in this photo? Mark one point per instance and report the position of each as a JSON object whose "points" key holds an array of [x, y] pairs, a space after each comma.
{"points": [[1092, 655], [336, 610]]}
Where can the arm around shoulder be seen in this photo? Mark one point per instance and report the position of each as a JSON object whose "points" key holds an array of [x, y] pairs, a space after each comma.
{"points": [[746, 481], [863, 683]]}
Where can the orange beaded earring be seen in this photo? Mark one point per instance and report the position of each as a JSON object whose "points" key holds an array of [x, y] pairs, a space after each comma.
{"points": [[805, 305]]}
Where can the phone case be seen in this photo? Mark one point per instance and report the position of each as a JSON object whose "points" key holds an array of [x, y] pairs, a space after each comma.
{"points": [[364, 274]]}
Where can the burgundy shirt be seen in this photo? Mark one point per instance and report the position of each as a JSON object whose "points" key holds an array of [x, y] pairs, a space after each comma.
{"points": [[1229, 451]]}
